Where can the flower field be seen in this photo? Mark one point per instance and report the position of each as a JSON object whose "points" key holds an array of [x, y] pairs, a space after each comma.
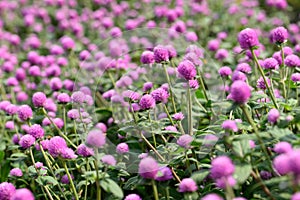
{"points": [[149, 100]]}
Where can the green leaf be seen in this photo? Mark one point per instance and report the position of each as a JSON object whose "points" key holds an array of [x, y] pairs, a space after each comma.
{"points": [[200, 175], [111, 186], [46, 180], [242, 172], [2, 154], [241, 148], [131, 183]]}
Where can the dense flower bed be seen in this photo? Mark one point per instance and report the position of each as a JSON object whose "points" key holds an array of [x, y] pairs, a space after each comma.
{"points": [[148, 99]]}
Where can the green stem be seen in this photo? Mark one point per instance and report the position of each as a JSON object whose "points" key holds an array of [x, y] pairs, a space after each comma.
{"points": [[71, 180], [97, 175], [65, 119], [154, 189], [170, 88], [86, 181], [190, 118], [168, 114]]}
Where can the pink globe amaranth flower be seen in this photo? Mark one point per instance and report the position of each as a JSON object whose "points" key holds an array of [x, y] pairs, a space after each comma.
{"points": [[196, 50], [164, 174], [160, 95], [38, 99], [39, 165], [279, 35], [211, 197], [58, 122], [230, 125], [193, 84], [16, 138], [73, 114], [101, 126], [147, 57], [65, 179], [63, 98], [191, 36], [243, 67], [36, 131], [221, 166], [187, 185], [109, 160], [248, 38], [78, 97], [147, 102], [96, 138], [4, 105], [85, 151], [10, 125], [283, 147], [134, 96], [225, 71], [187, 70], [133, 197], [294, 163], [56, 145], [24, 112], [161, 54], [67, 42], [178, 116], [171, 128], [273, 115], [240, 92], [282, 164], [148, 168], [270, 63], [296, 196], [11, 109], [26, 141], [7, 190], [224, 181], [185, 141], [221, 54], [295, 77], [122, 148], [171, 51], [292, 61], [213, 45], [16, 172], [261, 83], [68, 153], [147, 86]]}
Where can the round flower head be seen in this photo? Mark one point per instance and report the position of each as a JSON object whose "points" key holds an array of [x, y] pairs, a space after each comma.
{"points": [[240, 92], [294, 163], [230, 125], [122, 148], [65, 179], [160, 95], [11, 109], [36, 131], [295, 77], [270, 63], [63, 98], [185, 141], [56, 145], [292, 61], [273, 115], [213, 45], [16, 172], [38, 99], [78, 97], [147, 86], [221, 54], [148, 168], [171, 128], [85, 151], [248, 38], [147, 102], [221, 166], [26, 141], [7, 190], [187, 185], [133, 197], [281, 164], [283, 147], [225, 71], [68, 153], [16, 138], [96, 138], [109, 160], [193, 84], [261, 83], [178, 116], [238, 75], [24, 112], [296, 196], [147, 57], [211, 197], [224, 181], [161, 54], [187, 70], [279, 35], [164, 174]]}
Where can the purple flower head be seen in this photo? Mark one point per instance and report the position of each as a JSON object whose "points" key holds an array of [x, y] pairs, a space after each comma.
{"points": [[224, 181], [171, 128], [196, 50], [148, 168], [10, 125], [270, 63], [221, 166], [191, 36], [16, 138], [16, 172], [296, 196], [292, 61], [282, 164], [295, 77], [187, 70], [24, 112], [4, 105], [65, 179], [225, 71], [78, 97], [279, 35], [164, 174], [230, 125], [134, 96], [11, 109], [68, 153], [283, 147], [185, 141], [294, 161], [73, 114], [240, 92], [147, 102], [273, 115], [187, 185], [96, 138], [147, 86], [122, 148], [213, 45], [248, 38], [36, 131], [171, 51], [160, 95], [56, 145], [26, 141], [238, 75], [147, 57], [38, 99], [161, 54], [133, 197], [261, 83], [109, 160], [193, 84], [67, 42], [63, 98], [221, 54], [85, 151], [178, 116], [244, 67], [211, 197], [7, 190]]}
